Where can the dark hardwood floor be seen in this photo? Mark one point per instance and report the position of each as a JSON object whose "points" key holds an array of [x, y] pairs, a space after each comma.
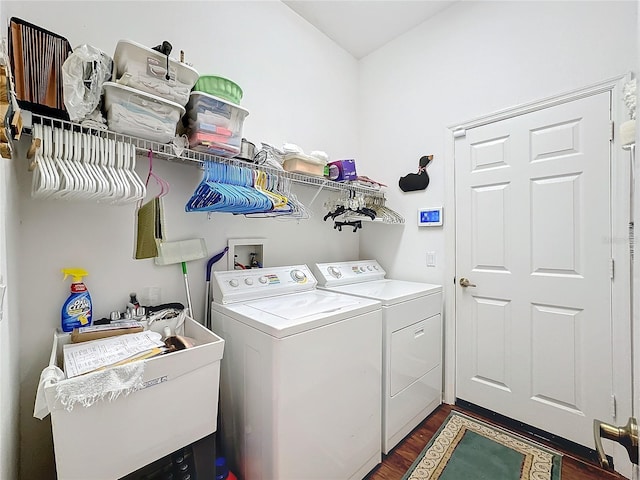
{"points": [[402, 456]]}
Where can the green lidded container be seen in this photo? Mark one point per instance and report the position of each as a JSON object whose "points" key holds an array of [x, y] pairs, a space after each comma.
{"points": [[219, 87]]}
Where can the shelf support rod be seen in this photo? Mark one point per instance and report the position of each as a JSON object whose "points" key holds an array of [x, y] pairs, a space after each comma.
{"points": [[317, 193]]}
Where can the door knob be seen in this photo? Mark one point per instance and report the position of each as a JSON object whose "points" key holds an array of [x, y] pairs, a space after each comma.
{"points": [[464, 282], [626, 436]]}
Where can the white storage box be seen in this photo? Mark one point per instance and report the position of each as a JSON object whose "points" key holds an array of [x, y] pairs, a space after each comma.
{"points": [[214, 125], [140, 114], [110, 439], [145, 69]]}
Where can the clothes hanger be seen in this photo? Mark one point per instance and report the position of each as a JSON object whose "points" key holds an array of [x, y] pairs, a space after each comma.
{"points": [[161, 182], [116, 171], [66, 184], [53, 177], [356, 224], [91, 145], [227, 188], [142, 189], [76, 190], [137, 189], [101, 160], [81, 167]]}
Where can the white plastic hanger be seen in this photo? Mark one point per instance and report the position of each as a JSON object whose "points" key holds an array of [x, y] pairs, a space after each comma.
{"points": [[53, 178], [68, 177], [81, 166]]}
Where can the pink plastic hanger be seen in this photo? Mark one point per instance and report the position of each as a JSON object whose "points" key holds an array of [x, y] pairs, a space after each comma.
{"points": [[163, 184]]}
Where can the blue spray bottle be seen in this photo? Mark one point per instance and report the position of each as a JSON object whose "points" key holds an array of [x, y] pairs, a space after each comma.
{"points": [[76, 311]]}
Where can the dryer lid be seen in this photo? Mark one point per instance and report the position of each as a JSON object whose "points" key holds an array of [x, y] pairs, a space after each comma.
{"points": [[389, 291]]}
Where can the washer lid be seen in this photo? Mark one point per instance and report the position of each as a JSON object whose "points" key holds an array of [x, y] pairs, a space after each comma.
{"points": [[389, 292], [290, 314]]}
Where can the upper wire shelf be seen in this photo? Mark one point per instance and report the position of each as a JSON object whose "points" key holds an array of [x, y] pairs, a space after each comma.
{"points": [[168, 151]]}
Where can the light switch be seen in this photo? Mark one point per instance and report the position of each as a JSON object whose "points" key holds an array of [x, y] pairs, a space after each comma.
{"points": [[431, 259]]}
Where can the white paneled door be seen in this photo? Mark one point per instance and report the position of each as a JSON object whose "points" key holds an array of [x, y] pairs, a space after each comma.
{"points": [[533, 229]]}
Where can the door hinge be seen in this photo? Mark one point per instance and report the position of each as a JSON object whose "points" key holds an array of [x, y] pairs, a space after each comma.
{"points": [[612, 268], [611, 130], [459, 132], [613, 406]]}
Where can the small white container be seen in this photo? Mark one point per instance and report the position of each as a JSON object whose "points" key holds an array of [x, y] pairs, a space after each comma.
{"points": [[140, 114], [300, 163], [214, 125], [178, 407], [146, 69]]}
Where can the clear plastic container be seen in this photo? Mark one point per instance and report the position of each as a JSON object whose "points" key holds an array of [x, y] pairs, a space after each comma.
{"points": [[140, 114], [214, 125]]}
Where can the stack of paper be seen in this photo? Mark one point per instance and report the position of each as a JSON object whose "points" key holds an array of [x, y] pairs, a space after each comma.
{"points": [[81, 358]]}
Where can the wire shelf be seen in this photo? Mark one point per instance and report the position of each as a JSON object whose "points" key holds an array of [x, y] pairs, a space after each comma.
{"points": [[170, 152]]}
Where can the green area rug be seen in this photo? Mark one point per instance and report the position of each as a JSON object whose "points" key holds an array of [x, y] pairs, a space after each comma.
{"points": [[467, 449]]}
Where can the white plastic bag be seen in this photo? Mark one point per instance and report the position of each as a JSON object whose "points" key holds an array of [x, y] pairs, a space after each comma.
{"points": [[83, 74]]}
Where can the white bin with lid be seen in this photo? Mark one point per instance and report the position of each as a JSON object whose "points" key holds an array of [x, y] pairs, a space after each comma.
{"points": [[140, 114], [145, 69]]}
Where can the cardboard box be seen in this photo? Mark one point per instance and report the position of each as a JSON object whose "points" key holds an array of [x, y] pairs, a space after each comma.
{"points": [[342, 170], [96, 332], [178, 406]]}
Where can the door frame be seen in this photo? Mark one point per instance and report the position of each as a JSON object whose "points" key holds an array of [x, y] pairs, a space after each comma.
{"points": [[620, 295]]}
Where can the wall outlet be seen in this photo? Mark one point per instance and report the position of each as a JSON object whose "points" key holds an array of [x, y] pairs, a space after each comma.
{"points": [[431, 259]]}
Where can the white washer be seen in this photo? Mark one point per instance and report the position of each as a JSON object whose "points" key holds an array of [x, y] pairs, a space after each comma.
{"points": [[300, 385], [412, 341]]}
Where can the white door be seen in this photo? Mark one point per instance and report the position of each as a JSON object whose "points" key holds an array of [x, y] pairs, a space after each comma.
{"points": [[635, 217], [532, 222]]}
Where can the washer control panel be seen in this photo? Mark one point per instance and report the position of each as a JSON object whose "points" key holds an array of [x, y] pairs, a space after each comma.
{"points": [[251, 284], [342, 273]]}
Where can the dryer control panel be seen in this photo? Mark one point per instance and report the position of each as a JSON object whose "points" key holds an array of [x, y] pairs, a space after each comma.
{"points": [[242, 285], [343, 273]]}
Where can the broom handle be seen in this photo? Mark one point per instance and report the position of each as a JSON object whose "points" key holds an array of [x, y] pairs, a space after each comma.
{"points": [[186, 286]]}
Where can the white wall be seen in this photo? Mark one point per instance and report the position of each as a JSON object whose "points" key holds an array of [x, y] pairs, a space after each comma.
{"points": [[298, 86], [9, 325], [472, 59]]}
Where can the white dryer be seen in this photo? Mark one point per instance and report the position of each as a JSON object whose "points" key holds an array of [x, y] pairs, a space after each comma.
{"points": [[300, 386], [412, 341]]}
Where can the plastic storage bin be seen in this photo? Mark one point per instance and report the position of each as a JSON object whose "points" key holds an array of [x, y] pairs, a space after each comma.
{"points": [[214, 125], [219, 87], [300, 163], [140, 114], [111, 439], [145, 69]]}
